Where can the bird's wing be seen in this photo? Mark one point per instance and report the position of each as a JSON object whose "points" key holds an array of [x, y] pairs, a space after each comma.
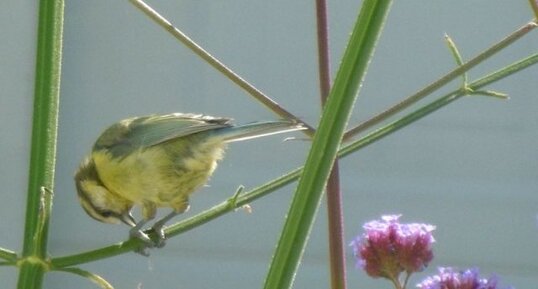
{"points": [[147, 131], [155, 130]]}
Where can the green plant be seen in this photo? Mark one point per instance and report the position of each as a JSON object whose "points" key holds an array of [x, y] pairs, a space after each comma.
{"points": [[33, 262]]}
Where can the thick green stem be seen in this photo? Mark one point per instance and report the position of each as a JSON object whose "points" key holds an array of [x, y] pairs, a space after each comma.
{"points": [[325, 145], [43, 151]]}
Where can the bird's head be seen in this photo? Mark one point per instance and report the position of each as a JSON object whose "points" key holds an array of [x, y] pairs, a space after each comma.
{"points": [[98, 202]]}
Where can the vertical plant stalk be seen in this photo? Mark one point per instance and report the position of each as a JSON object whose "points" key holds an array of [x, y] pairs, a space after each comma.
{"points": [[334, 195], [43, 150], [336, 112]]}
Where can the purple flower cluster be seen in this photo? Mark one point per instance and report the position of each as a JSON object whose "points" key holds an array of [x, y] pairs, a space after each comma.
{"points": [[388, 248], [450, 278]]}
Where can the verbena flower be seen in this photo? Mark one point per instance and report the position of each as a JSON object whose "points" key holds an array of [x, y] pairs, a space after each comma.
{"points": [[451, 278], [387, 248]]}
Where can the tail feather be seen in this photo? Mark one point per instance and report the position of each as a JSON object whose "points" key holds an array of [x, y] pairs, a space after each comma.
{"points": [[257, 129]]}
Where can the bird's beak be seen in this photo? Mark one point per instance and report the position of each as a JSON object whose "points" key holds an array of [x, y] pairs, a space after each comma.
{"points": [[128, 219]]}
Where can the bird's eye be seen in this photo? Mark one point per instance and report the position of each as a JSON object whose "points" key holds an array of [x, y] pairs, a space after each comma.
{"points": [[106, 214]]}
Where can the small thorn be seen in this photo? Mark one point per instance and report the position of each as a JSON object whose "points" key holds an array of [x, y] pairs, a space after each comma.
{"points": [[492, 93], [233, 199]]}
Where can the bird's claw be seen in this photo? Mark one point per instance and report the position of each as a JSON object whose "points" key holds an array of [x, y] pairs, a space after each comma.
{"points": [[158, 227], [161, 237], [138, 234], [147, 242]]}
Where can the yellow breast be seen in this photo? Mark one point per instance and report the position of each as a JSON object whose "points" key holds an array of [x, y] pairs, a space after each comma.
{"points": [[164, 175]]}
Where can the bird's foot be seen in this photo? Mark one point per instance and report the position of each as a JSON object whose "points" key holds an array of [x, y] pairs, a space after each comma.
{"points": [[147, 243], [158, 227], [161, 237]]}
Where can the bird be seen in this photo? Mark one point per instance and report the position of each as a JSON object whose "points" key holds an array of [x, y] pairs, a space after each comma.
{"points": [[158, 161]]}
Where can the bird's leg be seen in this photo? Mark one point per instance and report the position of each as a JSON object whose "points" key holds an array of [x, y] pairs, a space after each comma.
{"points": [[136, 232], [158, 227], [148, 213]]}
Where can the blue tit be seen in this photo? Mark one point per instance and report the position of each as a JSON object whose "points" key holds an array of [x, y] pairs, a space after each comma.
{"points": [[158, 161]]}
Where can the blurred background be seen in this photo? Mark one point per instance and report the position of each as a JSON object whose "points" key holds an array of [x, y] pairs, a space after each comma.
{"points": [[471, 168]]}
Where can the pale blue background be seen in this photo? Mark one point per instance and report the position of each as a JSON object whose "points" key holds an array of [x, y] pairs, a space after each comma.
{"points": [[471, 169]]}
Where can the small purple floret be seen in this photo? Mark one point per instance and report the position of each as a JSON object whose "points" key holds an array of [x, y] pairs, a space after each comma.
{"points": [[388, 248], [451, 278]]}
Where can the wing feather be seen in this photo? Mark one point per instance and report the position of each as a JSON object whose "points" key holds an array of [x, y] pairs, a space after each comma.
{"points": [[146, 131]]}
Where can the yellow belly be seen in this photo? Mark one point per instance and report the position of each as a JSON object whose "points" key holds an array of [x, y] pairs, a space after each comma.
{"points": [[163, 175]]}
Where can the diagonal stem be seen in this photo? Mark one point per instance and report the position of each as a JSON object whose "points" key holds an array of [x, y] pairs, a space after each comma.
{"points": [[215, 63], [440, 82]]}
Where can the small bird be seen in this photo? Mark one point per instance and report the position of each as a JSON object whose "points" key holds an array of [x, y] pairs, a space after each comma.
{"points": [[157, 161]]}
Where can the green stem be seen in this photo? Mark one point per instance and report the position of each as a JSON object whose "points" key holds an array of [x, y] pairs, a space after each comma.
{"points": [[265, 189], [441, 82], [98, 280], [435, 105], [323, 152], [43, 152], [457, 56], [8, 255]]}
